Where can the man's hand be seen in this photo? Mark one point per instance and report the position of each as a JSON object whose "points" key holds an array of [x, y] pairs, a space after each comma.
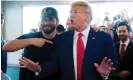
{"points": [[105, 67], [97, 29], [39, 42], [27, 63], [124, 74]]}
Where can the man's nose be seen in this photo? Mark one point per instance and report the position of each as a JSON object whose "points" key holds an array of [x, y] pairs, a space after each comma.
{"points": [[72, 14], [121, 33]]}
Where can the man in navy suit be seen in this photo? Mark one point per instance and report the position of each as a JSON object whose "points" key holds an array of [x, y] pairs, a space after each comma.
{"points": [[124, 50], [81, 53]]}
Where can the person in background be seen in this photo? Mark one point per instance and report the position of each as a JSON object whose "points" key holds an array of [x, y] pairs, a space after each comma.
{"points": [[38, 46], [124, 50], [131, 25], [68, 24], [123, 17], [3, 53], [111, 27], [60, 29]]}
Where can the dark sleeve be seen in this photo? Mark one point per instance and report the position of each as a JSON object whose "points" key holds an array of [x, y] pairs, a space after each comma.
{"points": [[25, 36], [53, 66], [110, 50]]}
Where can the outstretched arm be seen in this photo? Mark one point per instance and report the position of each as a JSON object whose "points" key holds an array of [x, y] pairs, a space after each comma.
{"points": [[15, 45], [18, 44]]}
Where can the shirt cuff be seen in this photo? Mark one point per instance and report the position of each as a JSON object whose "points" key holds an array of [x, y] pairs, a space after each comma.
{"points": [[37, 73], [104, 77]]}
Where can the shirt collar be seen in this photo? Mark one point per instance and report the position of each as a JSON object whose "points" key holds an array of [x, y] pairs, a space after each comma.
{"points": [[126, 43], [85, 32]]}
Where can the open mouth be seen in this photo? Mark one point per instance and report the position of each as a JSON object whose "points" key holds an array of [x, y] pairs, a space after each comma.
{"points": [[71, 21]]}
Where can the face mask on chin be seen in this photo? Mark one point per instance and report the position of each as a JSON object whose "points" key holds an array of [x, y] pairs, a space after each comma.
{"points": [[48, 29]]}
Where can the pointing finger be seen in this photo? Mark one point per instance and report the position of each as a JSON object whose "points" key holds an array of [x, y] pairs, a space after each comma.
{"points": [[48, 41]]}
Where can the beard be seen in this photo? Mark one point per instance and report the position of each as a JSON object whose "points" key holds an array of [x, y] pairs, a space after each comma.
{"points": [[123, 38], [48, 29]]}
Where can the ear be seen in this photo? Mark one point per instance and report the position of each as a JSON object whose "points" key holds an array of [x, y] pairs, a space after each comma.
{"points": [[90, 17], [129, 32], [131, 35], [57, 22]]}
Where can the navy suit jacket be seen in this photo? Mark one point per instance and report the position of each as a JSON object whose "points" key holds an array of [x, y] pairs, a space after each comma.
{"points": [[127, 62], [99, 45]]}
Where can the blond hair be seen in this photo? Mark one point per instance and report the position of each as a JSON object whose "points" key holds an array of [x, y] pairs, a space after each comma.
{"points": [[83, 4]]}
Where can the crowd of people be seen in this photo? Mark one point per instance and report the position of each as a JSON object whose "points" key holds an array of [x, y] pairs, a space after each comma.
{"points": [[80, 52]]}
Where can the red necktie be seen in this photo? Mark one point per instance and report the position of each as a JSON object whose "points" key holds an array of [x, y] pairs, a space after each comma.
{"points": [[122, 51], [80, 55]]}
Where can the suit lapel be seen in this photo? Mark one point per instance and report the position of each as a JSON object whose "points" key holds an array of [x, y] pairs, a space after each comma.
{"points": [[70, 50], [128, 47], [87, 55], [118, 48], [91, 37], [70, 42]]}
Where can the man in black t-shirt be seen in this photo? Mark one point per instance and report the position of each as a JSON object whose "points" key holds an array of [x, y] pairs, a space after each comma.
{"points": [[37, 46]]}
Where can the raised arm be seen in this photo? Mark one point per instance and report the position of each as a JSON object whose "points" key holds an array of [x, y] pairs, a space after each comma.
{"points": [[16, 44]]}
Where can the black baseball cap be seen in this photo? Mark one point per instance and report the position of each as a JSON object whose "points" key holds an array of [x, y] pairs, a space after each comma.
{"points": [[49, 12]]}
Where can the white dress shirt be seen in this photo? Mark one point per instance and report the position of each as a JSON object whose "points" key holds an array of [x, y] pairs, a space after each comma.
{"points": [[126, 44], [84, 38]]}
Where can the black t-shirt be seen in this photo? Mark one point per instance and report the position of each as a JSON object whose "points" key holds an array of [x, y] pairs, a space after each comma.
{"points": [[37, 54]]}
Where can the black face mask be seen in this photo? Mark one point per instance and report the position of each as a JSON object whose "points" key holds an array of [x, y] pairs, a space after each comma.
{"points": [[48, 29]]}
